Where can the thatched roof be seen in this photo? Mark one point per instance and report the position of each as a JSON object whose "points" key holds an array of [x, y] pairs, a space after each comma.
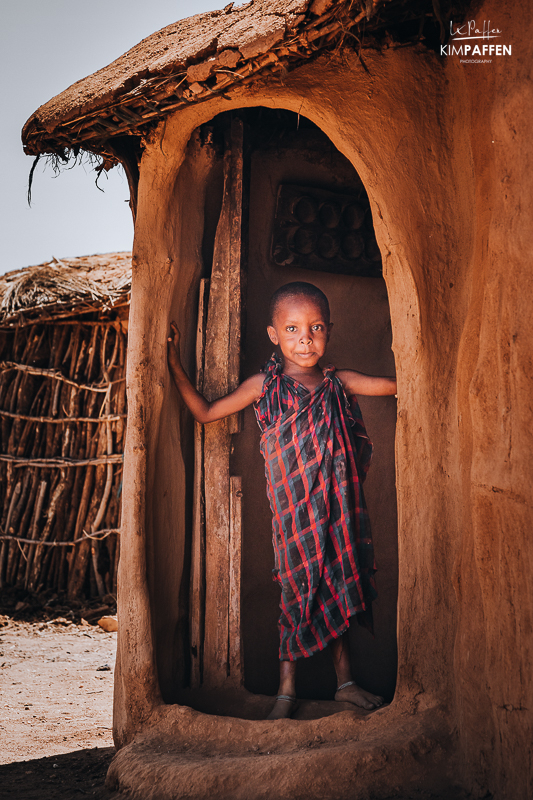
{"points": [[203, 55], [61, 288]]}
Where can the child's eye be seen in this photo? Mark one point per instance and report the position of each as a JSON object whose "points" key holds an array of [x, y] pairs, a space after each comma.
{"points": [[317, 327], [290, 328]]}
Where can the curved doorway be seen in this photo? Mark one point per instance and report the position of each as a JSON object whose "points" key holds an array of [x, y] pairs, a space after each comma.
{"points": [[305, 216]]}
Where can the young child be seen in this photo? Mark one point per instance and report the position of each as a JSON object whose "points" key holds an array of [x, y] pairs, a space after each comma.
{"points": [[316, 456]]}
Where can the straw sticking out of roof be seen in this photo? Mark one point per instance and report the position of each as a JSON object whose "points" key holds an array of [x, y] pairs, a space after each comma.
{"points": [[210, 54]]}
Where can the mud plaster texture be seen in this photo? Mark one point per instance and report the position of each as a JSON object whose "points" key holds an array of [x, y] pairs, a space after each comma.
{"points": [[442, 150]]}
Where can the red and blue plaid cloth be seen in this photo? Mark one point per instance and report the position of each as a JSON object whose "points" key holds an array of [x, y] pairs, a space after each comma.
{"points": [[316, 454]]}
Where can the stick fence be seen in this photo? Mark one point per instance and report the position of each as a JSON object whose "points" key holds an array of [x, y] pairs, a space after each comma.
{"points": [[62, 428]]}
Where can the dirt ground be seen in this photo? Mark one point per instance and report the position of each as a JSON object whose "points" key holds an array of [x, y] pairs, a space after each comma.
{"points": [[56, 681]]}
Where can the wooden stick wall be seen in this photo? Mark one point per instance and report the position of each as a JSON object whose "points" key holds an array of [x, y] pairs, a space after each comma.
{"points": [[62, 428]]}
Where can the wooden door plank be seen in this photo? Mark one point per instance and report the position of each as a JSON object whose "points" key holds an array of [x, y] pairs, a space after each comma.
{"points": [[236, 672], [235, 247], [197, 591], [222, 374]]}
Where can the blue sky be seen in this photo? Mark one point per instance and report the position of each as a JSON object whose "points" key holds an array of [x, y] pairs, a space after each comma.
{"points": [[45, 46]]}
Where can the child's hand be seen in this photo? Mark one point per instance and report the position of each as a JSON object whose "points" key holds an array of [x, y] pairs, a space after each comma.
{"points": [[173, 344]]}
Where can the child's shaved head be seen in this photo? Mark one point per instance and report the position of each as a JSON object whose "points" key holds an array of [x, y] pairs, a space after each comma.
{"points": [[299, 289]]}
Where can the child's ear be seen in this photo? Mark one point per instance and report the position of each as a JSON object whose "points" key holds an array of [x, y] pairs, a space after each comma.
{"points": [[272, 335], [330, 326]]}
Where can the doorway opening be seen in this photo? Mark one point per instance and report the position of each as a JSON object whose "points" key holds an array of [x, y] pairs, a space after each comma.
{"points": [[304, 215]]}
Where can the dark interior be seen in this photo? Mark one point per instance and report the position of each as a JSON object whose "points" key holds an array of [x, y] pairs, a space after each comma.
{"points": [[328, 241]]}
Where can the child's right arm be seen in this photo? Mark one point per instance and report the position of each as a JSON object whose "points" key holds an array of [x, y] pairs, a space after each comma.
{"points": [[202, 410]]}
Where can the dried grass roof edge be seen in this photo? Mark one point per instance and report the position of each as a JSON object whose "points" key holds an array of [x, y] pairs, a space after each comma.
{"points": [[197, 57], [97, 282]]}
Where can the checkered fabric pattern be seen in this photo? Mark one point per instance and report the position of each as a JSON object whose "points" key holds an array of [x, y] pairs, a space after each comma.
{"points": [[316, 454]]}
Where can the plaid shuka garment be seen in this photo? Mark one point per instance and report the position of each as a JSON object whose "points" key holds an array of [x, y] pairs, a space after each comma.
{"points": [[316, 454]]}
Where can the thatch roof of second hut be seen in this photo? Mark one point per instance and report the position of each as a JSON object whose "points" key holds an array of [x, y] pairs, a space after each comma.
{"points": [[66, 286]]}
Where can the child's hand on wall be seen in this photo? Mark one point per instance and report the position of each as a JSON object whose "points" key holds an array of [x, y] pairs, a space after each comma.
{"points": [[202, 410], [173, 346]]}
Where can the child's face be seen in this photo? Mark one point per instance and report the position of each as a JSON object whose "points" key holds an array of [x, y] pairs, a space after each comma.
{"points": [[301, 331]]}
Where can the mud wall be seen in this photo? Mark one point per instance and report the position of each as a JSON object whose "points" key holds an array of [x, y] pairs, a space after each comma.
{"points": [[443, 153], [494, 559]]}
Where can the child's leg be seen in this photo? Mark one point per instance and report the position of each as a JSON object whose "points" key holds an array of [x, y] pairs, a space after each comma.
{"points": [[340, 651], [286, 699]]}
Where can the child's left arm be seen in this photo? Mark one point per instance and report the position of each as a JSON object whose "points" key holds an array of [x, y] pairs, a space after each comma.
{"points": [[359, 383]]}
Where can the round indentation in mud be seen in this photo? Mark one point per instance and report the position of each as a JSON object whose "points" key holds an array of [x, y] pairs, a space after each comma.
{"points": [[330, 214], [352, 245], [328, 244], [282, 255], [353, 216], [305, 210], [304, 241]]}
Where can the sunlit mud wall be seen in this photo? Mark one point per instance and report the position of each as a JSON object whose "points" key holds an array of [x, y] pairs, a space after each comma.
{"points": [[443, 150]]}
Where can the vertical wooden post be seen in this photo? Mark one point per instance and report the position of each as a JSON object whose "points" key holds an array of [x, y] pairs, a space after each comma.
{"points": [[221, 375], [236, 673], [197, 592]]}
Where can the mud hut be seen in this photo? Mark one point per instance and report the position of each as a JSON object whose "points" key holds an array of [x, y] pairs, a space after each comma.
{"points": [[236, 129], [63, 334]]}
